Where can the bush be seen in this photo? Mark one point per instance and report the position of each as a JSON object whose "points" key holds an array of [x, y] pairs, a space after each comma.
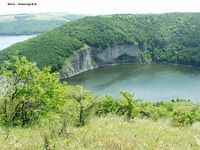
{"points": [[127, 105], [84, 102], [183, 118], [107, 105]]}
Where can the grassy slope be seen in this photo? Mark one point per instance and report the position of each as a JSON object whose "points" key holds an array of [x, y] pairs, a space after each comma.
{"points": [[108, 133], [33, 23], [172, 38]]}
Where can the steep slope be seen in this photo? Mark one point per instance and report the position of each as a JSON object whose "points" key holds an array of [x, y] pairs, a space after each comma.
{"points": [[94, 41]]}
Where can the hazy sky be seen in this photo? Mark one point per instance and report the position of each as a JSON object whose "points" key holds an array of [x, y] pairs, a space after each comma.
{"points": [[101, 6]]}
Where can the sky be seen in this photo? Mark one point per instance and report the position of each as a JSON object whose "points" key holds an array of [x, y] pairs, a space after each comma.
{"points": [[96, 7]]}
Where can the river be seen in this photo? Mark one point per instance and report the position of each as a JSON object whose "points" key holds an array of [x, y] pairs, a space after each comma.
{"points": [[6, 41], [150, 82]]}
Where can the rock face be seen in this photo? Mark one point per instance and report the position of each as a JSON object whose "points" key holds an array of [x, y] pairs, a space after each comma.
{"points": [[94, 57]]}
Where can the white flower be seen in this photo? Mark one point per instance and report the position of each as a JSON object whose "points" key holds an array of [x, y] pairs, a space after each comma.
{"points": [[197, 138]]}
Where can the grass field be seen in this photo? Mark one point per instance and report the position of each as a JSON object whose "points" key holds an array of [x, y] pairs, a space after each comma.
{"points": [[110, 133]]}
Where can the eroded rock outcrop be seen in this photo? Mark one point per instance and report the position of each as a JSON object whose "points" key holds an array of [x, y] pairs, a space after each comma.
{"points": [[91, 58]]}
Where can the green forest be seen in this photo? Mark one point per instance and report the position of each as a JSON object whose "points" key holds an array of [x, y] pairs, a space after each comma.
{"points": [[169, 38]]}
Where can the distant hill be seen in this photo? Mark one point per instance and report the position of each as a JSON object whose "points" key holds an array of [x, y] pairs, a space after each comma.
{"points": [[24, 24], [170, 38]]}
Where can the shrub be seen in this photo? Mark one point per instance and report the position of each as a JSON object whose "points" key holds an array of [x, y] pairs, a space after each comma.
{"points": [[128, 104], [28, 92], [183, 118], [84, 102], [107, 105]]}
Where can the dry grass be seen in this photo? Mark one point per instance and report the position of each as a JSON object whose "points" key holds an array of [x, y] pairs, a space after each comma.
{"points": [[105, 133]]}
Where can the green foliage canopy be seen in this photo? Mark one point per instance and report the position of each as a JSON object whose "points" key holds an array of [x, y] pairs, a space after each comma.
{"points": [[28, 92]]}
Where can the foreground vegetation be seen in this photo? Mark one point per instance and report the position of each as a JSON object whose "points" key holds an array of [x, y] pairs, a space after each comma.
{"points": [[109, 133], [171, 38], [39, 112]]}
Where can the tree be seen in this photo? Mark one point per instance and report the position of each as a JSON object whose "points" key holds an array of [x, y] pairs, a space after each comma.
{"points": [[27, 92], [129, 104], [86, 102]]}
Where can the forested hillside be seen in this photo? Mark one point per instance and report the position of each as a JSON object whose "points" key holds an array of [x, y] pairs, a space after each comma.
{"points": [[171, 38], [24, 24]]}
